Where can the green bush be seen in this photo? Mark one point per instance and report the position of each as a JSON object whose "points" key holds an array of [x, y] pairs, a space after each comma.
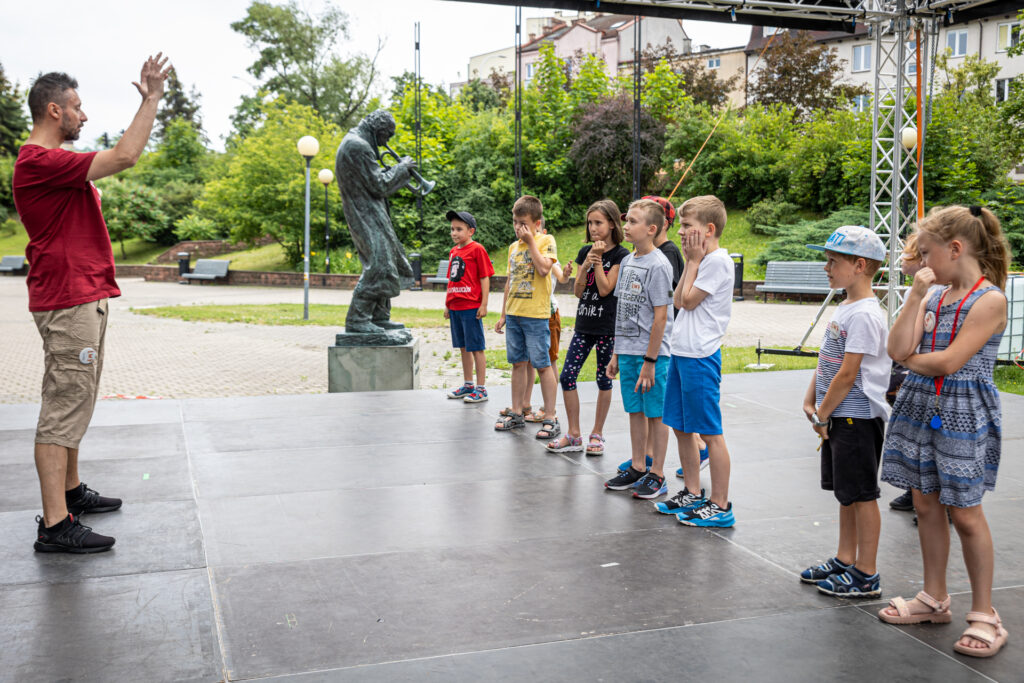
{"points": [[193, 227], [791, 243], [8, 226], [765, 214], [1008, 205]]}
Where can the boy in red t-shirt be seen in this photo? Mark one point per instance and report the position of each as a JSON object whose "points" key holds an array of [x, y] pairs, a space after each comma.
{"points": [[469, 282]]}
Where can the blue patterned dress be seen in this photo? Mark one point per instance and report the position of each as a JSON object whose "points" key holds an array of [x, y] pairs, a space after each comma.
{"points": [[960, 458]]}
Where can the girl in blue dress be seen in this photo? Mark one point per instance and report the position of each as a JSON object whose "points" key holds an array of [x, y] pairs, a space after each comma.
{"points": [[944, 434]]}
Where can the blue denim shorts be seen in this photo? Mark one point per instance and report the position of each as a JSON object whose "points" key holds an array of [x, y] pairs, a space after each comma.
{"points": [[652, 402], [467, 330], [527, 339]]}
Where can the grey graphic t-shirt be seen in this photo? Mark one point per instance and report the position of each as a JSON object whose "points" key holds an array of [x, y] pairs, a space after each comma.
{"points": [[644, 282]]}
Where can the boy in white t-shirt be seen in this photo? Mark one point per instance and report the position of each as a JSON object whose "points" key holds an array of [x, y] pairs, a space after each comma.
{"points": [[845, 403], [704, 299]]}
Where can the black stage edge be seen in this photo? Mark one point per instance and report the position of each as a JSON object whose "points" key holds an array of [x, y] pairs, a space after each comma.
{"points": [[396, 537]]}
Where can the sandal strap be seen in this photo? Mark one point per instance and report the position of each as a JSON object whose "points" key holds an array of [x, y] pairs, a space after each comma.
{"points": [[933, 603], [981, 635], [549, 421], [981, 617], [596, 437], [900, 605]]}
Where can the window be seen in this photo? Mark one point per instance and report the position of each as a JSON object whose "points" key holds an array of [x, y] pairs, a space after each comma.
{"points": [[956, 42], [529, 71], [714, 62], [862, 103], [1007, 35], [861, 58], [770, 31], [912, 63], [1003, 89]]}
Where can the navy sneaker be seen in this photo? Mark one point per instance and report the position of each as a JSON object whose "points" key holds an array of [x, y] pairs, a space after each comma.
{"points": [[478, 395], [823, 570], [684, 501], [708, 515], [703, 462], [623, 466], [651, 486], [852, 583], [463, 391], [624, 480]]}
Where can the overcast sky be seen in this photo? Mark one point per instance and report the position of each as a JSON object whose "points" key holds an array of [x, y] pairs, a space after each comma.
{"points": [[103, 43]]}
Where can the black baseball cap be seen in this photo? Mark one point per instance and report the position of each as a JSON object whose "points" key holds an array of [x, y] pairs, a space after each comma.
{"points": [[464, 216]]}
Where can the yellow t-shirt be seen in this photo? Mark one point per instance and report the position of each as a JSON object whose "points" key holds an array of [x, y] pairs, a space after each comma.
{"points": [[529, 293]]}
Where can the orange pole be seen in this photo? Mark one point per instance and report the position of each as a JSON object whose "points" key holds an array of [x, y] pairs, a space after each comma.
{"points": [[920, 131], [697, 154]]}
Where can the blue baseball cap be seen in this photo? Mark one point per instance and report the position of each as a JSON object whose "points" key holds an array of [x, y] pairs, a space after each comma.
{"points": [[854, 240]]}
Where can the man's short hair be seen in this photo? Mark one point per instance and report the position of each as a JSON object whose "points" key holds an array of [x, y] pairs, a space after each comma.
{"points": [[51, 87], [651, 212], [706, 209], [530, 206], [871, 265], [381, 121]]}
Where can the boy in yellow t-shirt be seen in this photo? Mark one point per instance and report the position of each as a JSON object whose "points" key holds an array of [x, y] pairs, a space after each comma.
{"points": [[525, 309]]}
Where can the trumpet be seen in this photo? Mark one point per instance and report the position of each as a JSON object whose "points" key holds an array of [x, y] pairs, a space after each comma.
{"points": [[418, 184]]}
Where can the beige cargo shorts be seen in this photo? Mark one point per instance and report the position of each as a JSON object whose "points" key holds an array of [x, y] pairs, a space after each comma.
{"points": [[73, 340]]}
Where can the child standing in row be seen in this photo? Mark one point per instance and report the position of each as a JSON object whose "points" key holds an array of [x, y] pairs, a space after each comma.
{"points": [[526, 309], [704, 297], [845, 404], [598, 274], [944, 440], [465, 304], [643, 326]]}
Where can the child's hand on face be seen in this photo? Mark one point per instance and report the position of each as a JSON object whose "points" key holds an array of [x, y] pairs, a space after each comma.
{"points": [[593, 260], [599, 247], [694, 246], [923, 279]]}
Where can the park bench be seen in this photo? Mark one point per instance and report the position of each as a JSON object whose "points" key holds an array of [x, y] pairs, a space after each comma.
{"points": [[12, 264], [442, 274], [207, 269], [795, 277]]}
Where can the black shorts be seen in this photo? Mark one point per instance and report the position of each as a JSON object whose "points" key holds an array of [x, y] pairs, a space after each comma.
{"points": [[850, 457]]}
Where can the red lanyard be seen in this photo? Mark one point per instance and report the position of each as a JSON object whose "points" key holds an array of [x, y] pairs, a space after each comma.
{"points": [[952, 333]]}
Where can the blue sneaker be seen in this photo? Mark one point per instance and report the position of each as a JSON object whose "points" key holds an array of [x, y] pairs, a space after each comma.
{"points": [[852, 583], [823, 570], [684, 501], [651, 486], [703, 462], [709, 515], [478, 395], [462, 392], [629, 463], [624, 480]]}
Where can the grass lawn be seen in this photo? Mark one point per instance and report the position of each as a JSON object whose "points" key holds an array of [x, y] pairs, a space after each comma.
{"points": [[269, 257], [137, 251], [14, 245]]}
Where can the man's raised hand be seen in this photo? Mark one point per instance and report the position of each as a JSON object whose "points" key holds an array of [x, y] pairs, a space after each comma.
{"points": [[151, 80]]}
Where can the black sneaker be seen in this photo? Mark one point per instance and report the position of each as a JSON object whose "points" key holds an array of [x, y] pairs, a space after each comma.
{"points": [[624, 480], [651, 486], [70, 536], [82, 500], [903, 503]]}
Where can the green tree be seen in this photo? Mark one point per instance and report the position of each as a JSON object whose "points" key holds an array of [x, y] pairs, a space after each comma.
{"points": [[799, 72], [131, 210], [13, 122], [700, 84], [177, 105], [664, 92], [828, 160], [297, 60], [259, 189]]}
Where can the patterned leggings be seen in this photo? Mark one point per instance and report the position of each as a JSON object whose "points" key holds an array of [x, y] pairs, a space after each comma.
{"points": [[577, 353]]}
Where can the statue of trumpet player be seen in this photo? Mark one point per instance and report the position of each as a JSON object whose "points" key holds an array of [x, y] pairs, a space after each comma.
{"points": [[365, 186]]}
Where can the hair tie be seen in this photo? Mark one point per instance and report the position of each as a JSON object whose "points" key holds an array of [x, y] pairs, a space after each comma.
{"points": [[975, 211]]}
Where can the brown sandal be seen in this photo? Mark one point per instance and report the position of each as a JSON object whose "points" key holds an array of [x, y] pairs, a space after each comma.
{"points": [[993, 643], [939, 613], [531, 415]]}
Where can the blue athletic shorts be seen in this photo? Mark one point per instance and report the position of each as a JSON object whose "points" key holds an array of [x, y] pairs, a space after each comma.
{"points": [[527, 339], [691, 400], [652, 402], [467, 330]]}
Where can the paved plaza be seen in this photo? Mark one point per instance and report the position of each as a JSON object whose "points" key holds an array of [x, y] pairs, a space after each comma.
{"points": [[171, 358], [397, 537]]}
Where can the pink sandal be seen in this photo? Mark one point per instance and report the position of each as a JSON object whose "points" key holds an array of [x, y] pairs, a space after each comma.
{"points": [[565, 444], [994, 643], [596, 445], [939, 613]]}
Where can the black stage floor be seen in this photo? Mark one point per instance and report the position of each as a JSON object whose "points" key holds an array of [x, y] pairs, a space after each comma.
{"points": [[397, 537]]}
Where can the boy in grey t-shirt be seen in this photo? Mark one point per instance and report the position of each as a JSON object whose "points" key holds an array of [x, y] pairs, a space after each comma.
{"points": [[643, 326]]}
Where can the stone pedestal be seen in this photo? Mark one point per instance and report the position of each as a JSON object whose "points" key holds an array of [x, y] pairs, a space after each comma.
{"points": [[373, 368]]}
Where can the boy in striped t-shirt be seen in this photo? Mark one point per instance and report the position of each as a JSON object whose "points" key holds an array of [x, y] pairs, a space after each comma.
{"points": [[845, 403]]}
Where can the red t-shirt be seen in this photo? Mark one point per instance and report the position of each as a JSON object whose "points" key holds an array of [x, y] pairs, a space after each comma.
{"points": [[69, 254], [465, 268]]}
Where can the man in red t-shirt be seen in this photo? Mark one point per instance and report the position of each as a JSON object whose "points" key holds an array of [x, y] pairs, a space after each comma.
{"points": [[71, 278], [465, 306]]}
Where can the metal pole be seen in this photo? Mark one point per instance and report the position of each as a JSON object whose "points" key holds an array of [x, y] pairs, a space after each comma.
{"points": [[419, 133], [519, 101], [636, 107], [305, 260], [327, 232]]}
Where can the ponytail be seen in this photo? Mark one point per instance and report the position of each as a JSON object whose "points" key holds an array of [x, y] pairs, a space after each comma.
{"points": [[995, 256], [978, 228]]}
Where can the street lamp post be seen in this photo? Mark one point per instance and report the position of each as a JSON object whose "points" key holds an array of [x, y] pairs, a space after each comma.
{"points": [[325, 176], [308, 147]]}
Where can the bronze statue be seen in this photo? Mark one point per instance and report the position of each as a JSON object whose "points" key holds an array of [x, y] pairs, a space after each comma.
{"points": [[365, 186]]}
